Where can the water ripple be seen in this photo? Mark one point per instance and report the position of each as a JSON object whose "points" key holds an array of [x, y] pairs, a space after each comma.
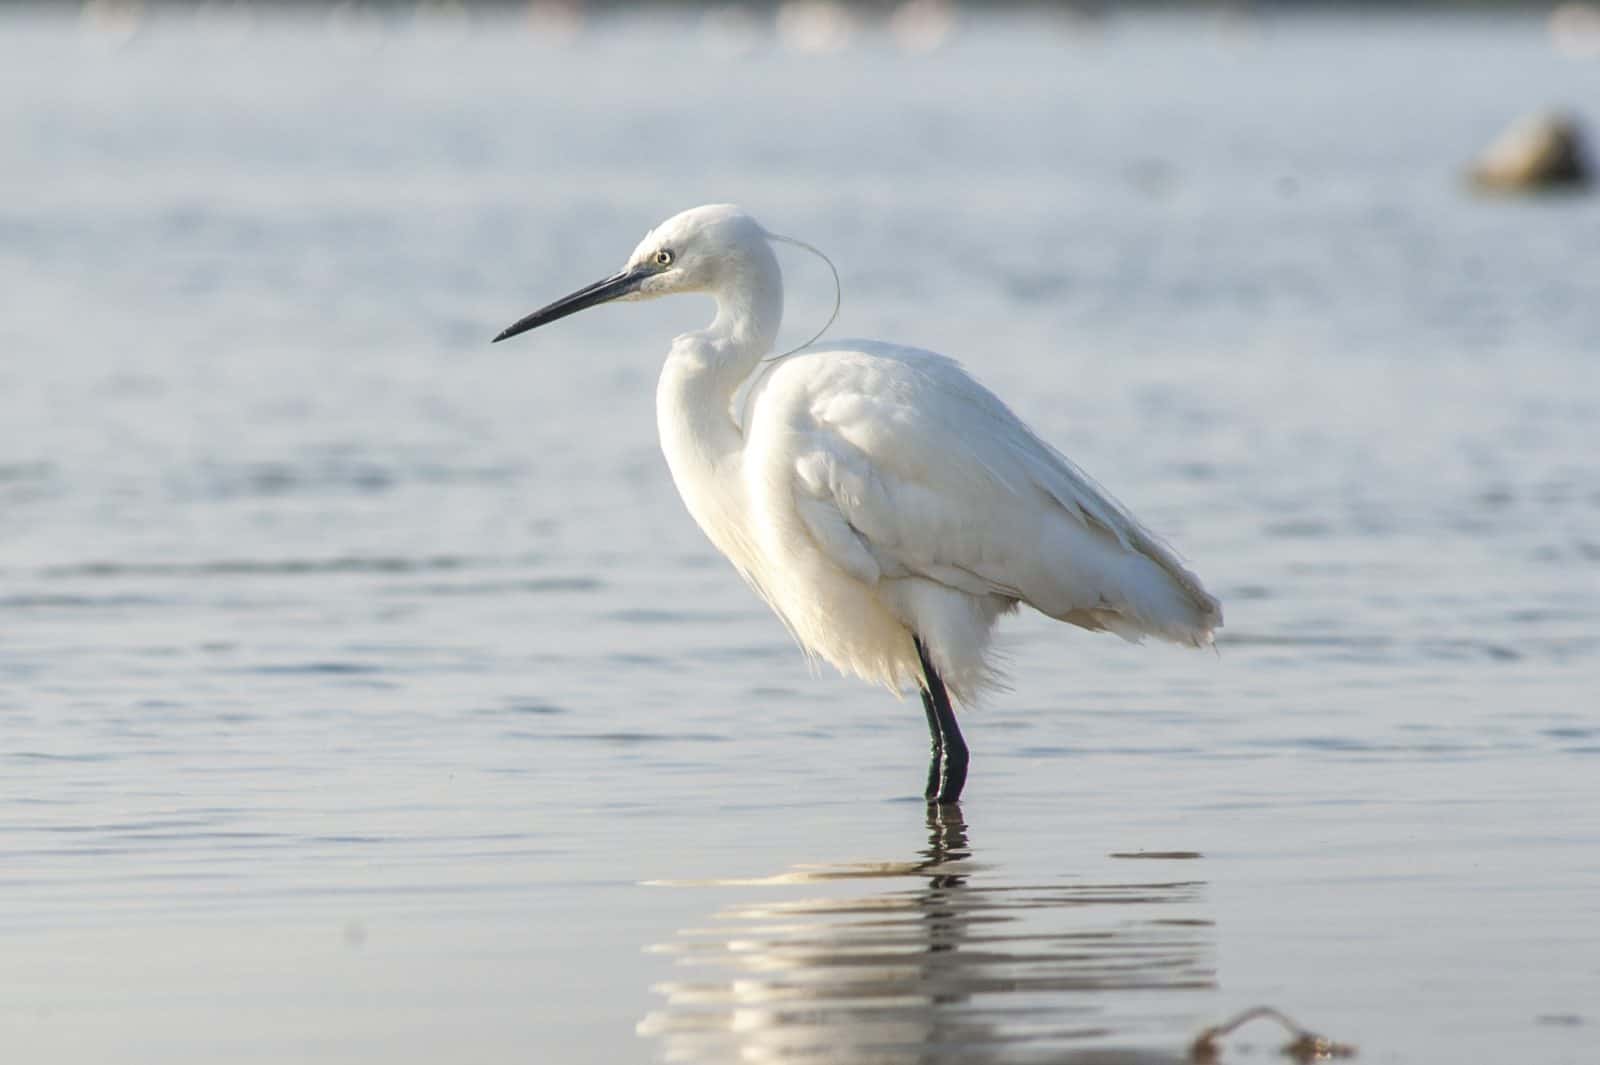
{"points": [[933, 959]]}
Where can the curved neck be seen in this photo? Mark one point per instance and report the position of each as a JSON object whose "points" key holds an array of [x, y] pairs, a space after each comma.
{"points": [[749, 298], [705, 370], [701, 435]]}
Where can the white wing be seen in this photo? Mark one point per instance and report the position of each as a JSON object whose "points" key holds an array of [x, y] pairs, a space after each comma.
{"points": [[903, 466]]}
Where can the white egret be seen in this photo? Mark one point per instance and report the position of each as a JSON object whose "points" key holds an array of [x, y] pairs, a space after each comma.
{"points": [[885, 505]]}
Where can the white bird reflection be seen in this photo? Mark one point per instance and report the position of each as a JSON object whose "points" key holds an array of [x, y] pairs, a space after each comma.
{"points": [[957, 966]]}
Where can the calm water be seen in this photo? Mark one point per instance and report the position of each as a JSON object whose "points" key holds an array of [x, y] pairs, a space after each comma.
{"points": [[367, 695]]}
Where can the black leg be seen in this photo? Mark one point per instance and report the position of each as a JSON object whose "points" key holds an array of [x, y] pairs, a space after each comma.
{"points": [[950, 750], [931, 792]]}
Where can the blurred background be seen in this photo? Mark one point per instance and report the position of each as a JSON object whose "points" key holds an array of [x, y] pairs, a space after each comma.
{"points": [[366, 691]]}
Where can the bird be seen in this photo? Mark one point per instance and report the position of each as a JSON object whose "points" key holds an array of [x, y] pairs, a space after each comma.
{"points": [[887, 506]]}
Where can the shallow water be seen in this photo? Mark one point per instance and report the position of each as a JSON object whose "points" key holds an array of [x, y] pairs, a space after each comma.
{"points": [[365, 692]]}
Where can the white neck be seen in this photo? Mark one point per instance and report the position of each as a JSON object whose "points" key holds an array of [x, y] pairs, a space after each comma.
{"points": [[700, 438], [705, 368], [749, 306]]}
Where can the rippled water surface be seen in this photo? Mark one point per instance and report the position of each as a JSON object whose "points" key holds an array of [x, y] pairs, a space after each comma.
{"points": [[366, 693]]}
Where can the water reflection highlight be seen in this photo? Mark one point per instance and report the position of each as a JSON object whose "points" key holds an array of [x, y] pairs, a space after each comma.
{"points": [[936, 959]]}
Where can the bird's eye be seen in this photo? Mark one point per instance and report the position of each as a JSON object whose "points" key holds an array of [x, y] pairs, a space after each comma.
{"points": [[663, 257]]}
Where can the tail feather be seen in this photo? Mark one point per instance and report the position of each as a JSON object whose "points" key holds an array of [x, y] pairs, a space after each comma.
{"points": [[1147, 593]]}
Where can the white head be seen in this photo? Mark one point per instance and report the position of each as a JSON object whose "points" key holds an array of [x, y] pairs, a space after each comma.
{"points": [[717, 248]]}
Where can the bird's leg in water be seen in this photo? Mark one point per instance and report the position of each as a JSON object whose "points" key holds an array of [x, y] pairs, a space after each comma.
{"points": [[932, 791], [947, 774]]}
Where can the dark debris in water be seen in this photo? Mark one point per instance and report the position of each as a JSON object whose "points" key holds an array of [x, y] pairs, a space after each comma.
{"points": [[531, 707], [318, 669], [1305, 1046]]}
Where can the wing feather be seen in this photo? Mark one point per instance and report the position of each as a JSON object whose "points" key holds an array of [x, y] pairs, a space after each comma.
{"points": [[904, 465]]}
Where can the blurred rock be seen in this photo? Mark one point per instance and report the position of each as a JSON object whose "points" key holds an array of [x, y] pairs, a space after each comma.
{"points": [[554, 21], [1540, 152], [922, 25], [815, 26], [1575, 29]]}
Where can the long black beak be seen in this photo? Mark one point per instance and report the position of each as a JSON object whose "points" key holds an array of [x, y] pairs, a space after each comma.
{"points": [[613, 287]]}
